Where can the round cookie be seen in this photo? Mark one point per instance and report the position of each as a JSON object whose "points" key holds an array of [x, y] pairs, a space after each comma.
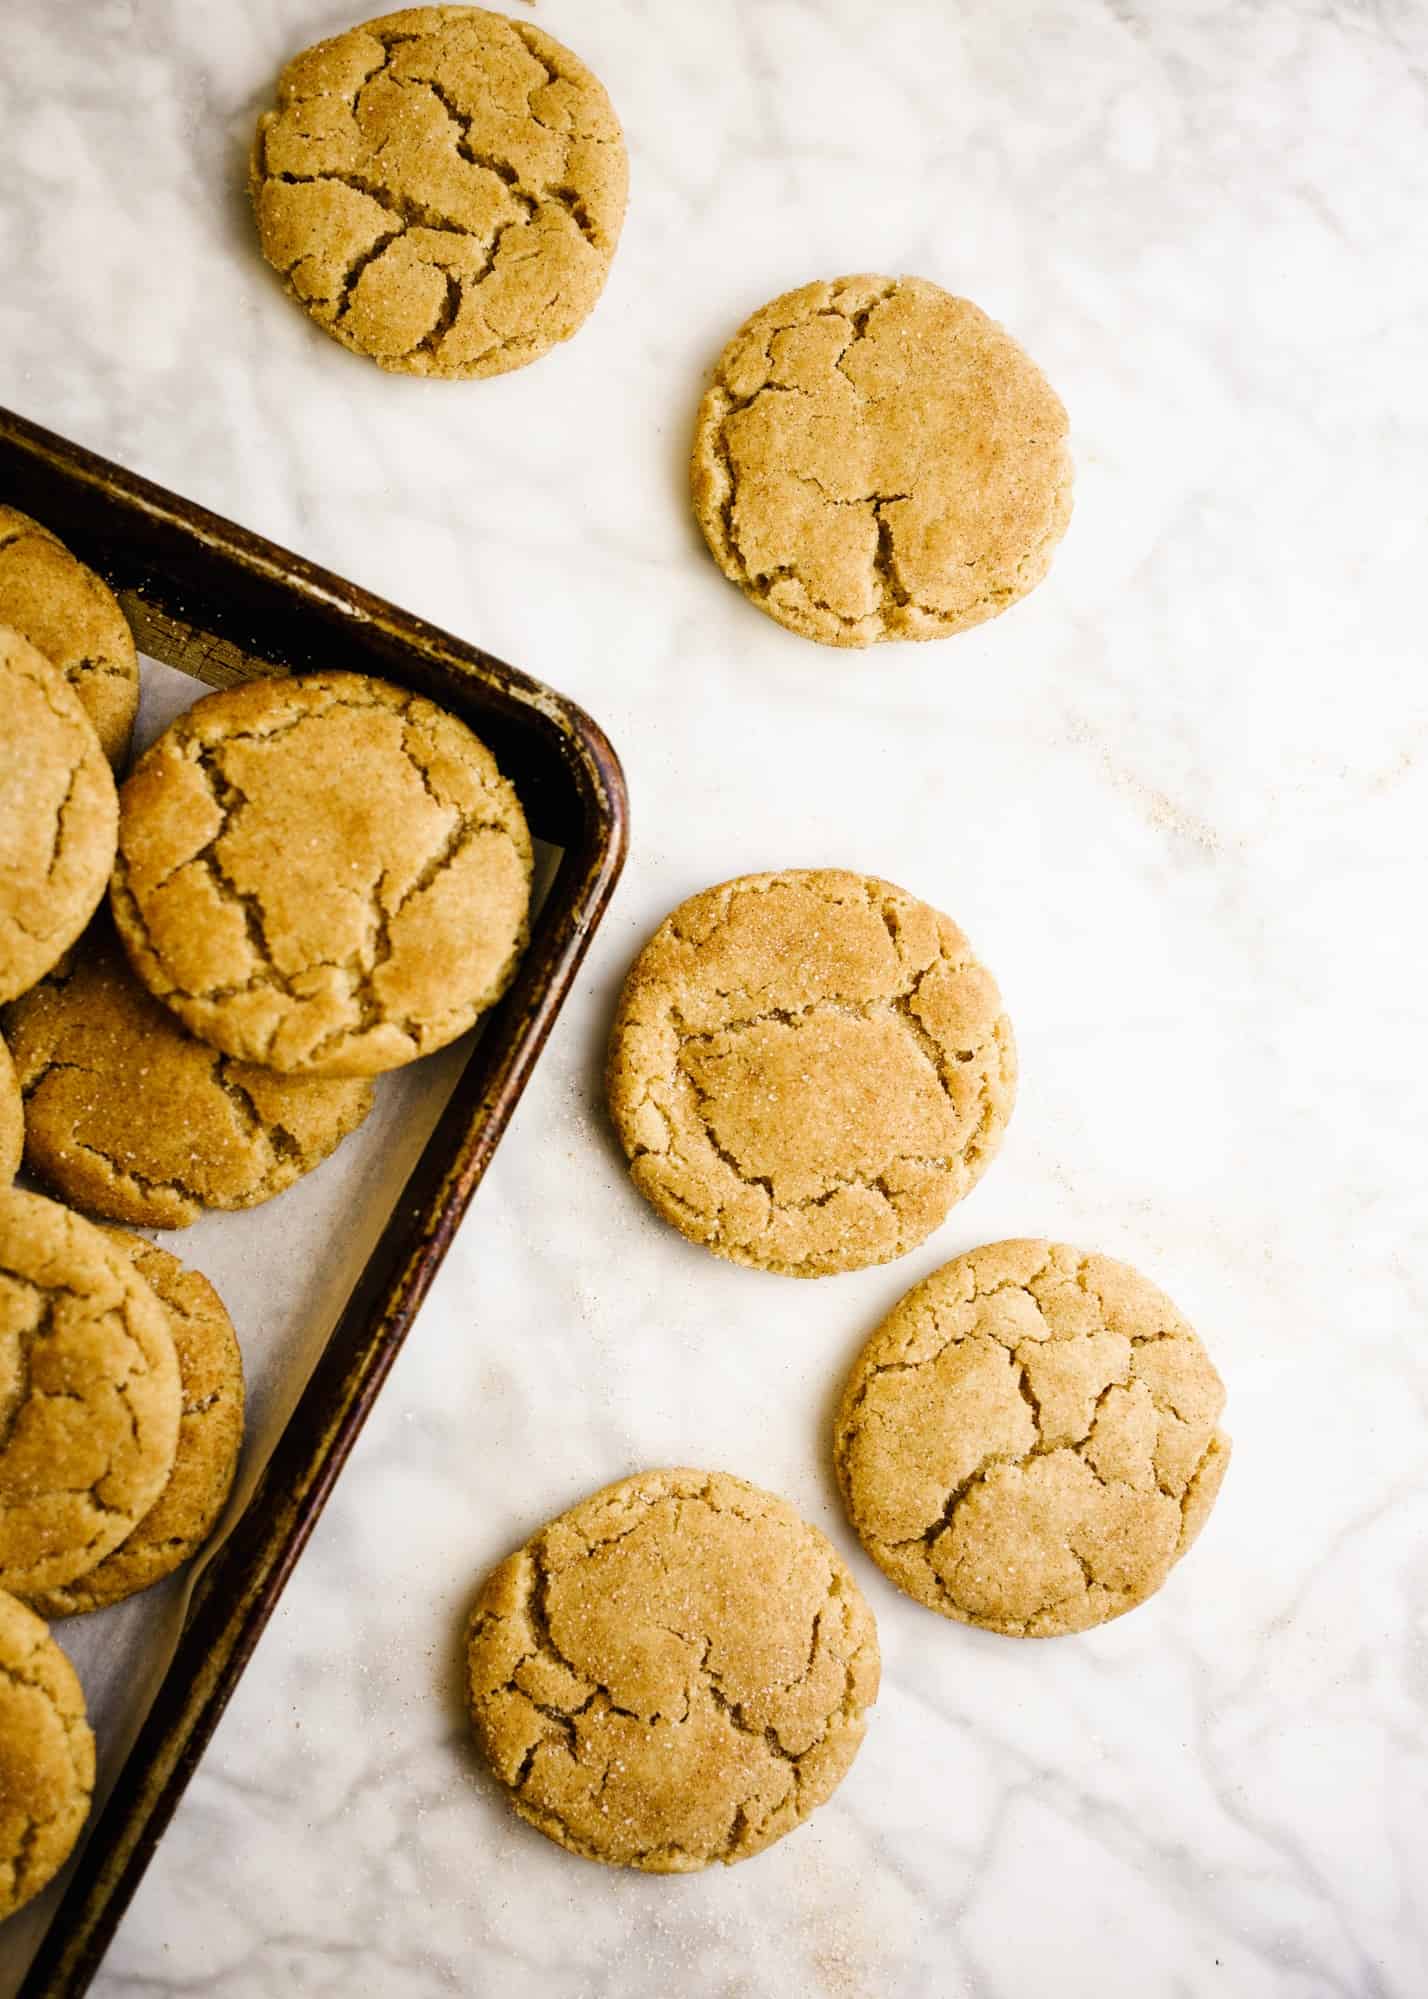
{"points": [[807, 1069], [58, 815], [89, 1395], [74, 618], [210, 1434], [129, 1117], [46, 1756], [326, 875], [442, 188], [675, 1672], [876, 459], [12, 1118], [1029, 1441]]}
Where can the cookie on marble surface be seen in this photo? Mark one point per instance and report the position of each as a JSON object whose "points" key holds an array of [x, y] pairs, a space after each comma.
{"points": [[808, 1069], [89, 1395], [210, 1434], [442, 188], [876, 459], [325, 875], [46, 1756], [677, 1671], [129, 1117], [58, 815], [12, 1118], [1030, 1440], [73, 617]]}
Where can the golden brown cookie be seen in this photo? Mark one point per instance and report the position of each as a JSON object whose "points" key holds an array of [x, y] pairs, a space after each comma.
{"points": [[46, 1756], [326, 875], [58, 815], [1028, 1442], [129, 1117], [12, 1118], [74, 618], [876, 459], [210, 1434], [677, 1671], [808, 1069], [442, 189], [89, 1395]]}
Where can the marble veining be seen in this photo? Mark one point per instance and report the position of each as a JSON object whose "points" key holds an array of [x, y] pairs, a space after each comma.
{"points": [[1176, 799]]}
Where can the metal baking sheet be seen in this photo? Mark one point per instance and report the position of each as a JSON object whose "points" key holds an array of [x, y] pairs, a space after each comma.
{"points": [[214, 604]]}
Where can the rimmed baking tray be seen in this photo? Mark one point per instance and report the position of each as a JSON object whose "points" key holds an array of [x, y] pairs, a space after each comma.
{"points": [[222, 605]]}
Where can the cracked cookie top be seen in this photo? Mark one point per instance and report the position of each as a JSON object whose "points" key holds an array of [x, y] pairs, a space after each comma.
{"points": [[442, 189], [675, 1672], [210, 1433], [807, 1069], [129, 1117], [46, 1756], [89, 1395], [74, 618], [58, 815], [12, 1118], [325, 875], [876, 459], [1029, 1441]]}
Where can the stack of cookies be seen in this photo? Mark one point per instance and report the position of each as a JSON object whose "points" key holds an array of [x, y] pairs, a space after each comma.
{"points": [[309, 882], [123, 1415]]}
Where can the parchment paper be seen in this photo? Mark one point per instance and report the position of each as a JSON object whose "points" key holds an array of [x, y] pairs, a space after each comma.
{"points": [[284, 1270]]}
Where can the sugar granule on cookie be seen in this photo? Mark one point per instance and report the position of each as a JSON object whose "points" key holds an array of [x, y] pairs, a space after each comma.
{"points": [[808, 1069], [130, 1117], [73, 618], [89, 1395], [676, 1672], [1030, 1440], [442, 188], [876, 459], [58, 815], [210, 1434], [325, 875], [46, 1756]]}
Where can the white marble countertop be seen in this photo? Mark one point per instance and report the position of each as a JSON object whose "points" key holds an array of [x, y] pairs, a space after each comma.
{"points": [[1176, 799]]}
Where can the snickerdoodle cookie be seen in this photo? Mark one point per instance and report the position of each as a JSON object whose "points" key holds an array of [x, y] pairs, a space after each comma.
{"points": [[876, 459], [442, 188], [675, 1672], [73, 617], [1028, 1442], [12, 1118], [89, 1395], [210, 1433], [327, 874], [807, 1069], [129, 1117], [58, 815], [46, 1756]]}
